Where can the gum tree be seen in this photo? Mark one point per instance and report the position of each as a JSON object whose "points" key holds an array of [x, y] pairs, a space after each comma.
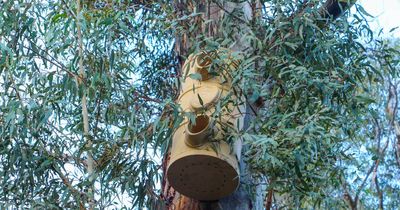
{"points": [[88, 91]]}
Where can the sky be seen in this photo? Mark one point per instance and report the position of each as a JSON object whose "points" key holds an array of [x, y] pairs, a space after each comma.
{"points": [[386, 13]]}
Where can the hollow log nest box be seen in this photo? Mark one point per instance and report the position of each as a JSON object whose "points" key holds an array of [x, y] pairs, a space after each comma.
{"points": [[200, 166]]}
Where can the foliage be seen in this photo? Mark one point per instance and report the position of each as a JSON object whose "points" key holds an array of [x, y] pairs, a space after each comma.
{"points": [[323, 86], [130, 77]]}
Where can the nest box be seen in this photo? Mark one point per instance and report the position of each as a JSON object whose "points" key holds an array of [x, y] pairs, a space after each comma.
{"points": [[200, 166]]}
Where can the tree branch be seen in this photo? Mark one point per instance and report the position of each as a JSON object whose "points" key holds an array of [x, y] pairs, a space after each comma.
{"points": [[68, 9], [85, 114], [373, 169], [391, 111], [53, 61], [268, 202], [76, 193], [381, 154]]}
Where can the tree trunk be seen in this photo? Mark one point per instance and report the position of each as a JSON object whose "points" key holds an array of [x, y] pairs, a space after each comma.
{"points": [[208, 26]]}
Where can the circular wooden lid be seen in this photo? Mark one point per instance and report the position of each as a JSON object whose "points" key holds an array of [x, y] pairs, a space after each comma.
{"points": [[203, 177], [208, 95]]}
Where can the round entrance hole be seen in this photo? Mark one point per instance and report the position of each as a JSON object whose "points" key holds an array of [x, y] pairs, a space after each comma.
{"points": [[202, 63], [197, 133], [201, 123]]}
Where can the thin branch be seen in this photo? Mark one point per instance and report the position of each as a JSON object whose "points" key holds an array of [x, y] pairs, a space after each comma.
{"points": [[14, 86], [397, 144], [54, 61], [391, 110], [299, 13], [353, 201], [230, 13], [379, 191], [348, 197], [85, 114], [268, 202], [361, 187], [392, 102], [68, 9], [381, 153], [66, 157], [373, 169], [145, 97], [78, 195]]}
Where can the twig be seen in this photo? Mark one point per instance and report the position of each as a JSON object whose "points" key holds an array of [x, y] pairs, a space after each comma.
{"points": [[391, 110], [381, 153], [14, 86], [76, 193], [68, 9], [230, 13], [268, 203], [373, 169], [54, 61]]}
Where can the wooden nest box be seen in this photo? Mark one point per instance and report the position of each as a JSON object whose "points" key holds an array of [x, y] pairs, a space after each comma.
{"points": [[202, 165]]}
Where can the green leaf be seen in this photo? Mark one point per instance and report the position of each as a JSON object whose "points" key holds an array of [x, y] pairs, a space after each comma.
{"points": [[195, 76], [200, 100], [393, 29]]}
